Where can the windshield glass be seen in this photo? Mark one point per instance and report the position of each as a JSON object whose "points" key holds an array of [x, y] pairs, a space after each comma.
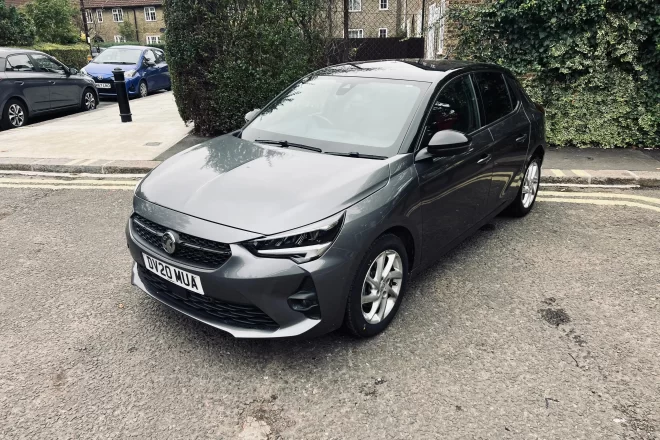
{"points": [[341, 114], [118, 56]]}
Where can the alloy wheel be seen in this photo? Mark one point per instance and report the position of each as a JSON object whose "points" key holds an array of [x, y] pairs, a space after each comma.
{"points": [[16, 115], [90, 101], [143, 90], [530, 184], [382, 286]]}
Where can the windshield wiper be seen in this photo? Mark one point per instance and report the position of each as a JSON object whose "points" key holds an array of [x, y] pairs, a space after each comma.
{"points": [[356, 154], [287, 144]]}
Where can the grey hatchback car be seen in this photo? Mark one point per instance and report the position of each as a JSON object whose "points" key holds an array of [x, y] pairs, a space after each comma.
{"points": [[316, 213], [34, 83]]}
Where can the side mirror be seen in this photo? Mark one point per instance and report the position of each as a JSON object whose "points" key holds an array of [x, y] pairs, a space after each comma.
{"points": [[149, 63], [249, 116], [73, 71], [448, 143]]}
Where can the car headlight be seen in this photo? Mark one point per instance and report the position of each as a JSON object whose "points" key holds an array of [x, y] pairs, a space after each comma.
{"points": [[301, 245], [130, 73], [83, 71]]}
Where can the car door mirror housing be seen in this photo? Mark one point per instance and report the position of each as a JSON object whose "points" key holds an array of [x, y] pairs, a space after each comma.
{"points": [[249, 116], [448, 143], [149, 63], [73, 71]]}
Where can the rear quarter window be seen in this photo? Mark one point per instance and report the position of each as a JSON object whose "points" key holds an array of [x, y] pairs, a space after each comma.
{"points": [[494, 95]]}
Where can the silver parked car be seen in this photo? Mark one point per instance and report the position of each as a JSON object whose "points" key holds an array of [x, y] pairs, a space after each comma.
{"points": [[317, 212]]}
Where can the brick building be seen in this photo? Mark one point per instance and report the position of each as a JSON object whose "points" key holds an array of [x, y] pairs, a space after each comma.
{"points": [[105, 16]]}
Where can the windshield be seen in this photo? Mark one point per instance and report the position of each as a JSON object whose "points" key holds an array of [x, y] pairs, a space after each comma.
{"points": [[118, 56], [341, 114]]}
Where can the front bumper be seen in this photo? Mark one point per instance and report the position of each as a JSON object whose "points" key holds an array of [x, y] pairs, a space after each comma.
{"points": [[246, 281], [131, 86]]}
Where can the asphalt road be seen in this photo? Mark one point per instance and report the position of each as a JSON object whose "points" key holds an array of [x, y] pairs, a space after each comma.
{"points": [[545, 327]]}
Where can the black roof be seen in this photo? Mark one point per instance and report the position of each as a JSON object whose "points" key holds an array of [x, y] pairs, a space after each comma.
{"points": [[416, 69]]}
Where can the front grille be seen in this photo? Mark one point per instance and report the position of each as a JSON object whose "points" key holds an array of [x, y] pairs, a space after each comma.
{"points": [[190, 250], [237, 315]]}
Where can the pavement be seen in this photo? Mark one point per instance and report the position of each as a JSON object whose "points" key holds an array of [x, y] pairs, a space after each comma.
{"points": [[538, 328], [157, 133]]}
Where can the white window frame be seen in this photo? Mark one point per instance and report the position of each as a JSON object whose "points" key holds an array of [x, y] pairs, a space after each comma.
{"points": [[89, 16], [120, 39], [360, 33], [99, 15], [354, 5], [382, 36], [118, 15], [153, 39], [380, 5], [149, 13]]}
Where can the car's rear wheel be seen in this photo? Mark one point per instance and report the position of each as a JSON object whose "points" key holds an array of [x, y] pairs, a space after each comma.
{"points": [[529, 188], [378, 287], [14, 115], [89, 100], [143, 90]]}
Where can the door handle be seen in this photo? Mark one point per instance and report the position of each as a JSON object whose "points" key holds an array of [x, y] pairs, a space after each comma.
{"points": [[20, 83], [522, 138], [485, 159], [51, 82]]}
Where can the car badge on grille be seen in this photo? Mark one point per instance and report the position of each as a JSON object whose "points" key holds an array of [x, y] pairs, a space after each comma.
{"points": [[168, 241], [99, 77]]}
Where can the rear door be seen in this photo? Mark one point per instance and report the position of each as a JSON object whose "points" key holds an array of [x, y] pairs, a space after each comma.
{"points": [[64, 91], [453, 189], [507, 122], [28, 81]]}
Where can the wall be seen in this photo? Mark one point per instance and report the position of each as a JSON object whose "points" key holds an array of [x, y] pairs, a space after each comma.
{"points": [[108, 28]]}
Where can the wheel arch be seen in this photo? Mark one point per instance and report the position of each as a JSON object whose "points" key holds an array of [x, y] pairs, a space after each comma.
{"points": [[539, 152], [408, 242], [17, 98]]}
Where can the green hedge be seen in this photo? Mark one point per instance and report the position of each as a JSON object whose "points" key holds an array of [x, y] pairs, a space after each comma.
{"points": [[73, 55]]}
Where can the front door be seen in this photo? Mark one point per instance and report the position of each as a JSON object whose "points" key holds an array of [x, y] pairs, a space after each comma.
{"points": [[510, 128], [152, 72], [64, 91], [33, 85], [453, 190]]}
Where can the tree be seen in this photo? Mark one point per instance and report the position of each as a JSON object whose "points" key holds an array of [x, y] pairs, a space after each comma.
{"points": [[16, 29], [53, 20], [127, 30], [227, 57]]}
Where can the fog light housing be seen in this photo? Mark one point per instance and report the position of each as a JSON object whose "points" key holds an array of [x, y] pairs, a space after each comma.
{"points": [[305, 300]]}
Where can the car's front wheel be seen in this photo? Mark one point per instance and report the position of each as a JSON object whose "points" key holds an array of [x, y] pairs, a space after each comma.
{"points": [[89, 100], [143, 89], [14, 115], [378, 287]]}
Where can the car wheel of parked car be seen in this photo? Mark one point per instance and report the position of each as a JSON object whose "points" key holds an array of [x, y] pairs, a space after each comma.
{"points": [[142, 88], [378, 287], [529, 188], [89, 101], [14, 114]]}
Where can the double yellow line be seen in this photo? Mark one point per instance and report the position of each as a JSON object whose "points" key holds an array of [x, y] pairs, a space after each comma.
{"points": [[600, 198], [124, 184]]}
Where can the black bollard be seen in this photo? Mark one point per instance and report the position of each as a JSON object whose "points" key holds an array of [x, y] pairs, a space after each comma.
{"points": [[122, 95]]}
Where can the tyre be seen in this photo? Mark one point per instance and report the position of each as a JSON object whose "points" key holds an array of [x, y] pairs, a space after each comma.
{"points": [[378, 287], [14, 115], [524, 201], [143, 90], [89, 100]]}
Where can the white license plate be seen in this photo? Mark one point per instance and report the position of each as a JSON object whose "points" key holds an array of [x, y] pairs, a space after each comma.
{"points": [[103, 85], [174, 275]]}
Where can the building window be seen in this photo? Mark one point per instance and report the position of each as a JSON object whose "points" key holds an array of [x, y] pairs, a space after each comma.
{"points": [[118, 15], [119, 39], [150, 13], [356, 33], [99, 15], [383, 5], [382, 33], [354, 6], [89, 16], [153, 39]]}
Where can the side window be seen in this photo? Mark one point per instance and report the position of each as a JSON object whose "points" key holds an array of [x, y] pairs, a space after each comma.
{"points": [[47, 64], [149, 56], [455, 108], [514, 90], [19, 63], [494, 95]]}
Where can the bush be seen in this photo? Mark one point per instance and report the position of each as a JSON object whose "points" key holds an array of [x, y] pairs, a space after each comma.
{"points": [[53, 20], [594, 65], [74, 55], [227, 58], [16, 29]]}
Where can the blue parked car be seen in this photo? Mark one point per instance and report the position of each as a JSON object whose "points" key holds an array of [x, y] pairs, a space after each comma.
{"points": [[145, 70]]}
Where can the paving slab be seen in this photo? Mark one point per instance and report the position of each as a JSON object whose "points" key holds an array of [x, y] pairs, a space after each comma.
{"points": [[601, 159], [100, 134]]}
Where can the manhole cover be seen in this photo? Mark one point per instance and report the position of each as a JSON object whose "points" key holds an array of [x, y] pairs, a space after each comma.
{"points": [[152, 144]]}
